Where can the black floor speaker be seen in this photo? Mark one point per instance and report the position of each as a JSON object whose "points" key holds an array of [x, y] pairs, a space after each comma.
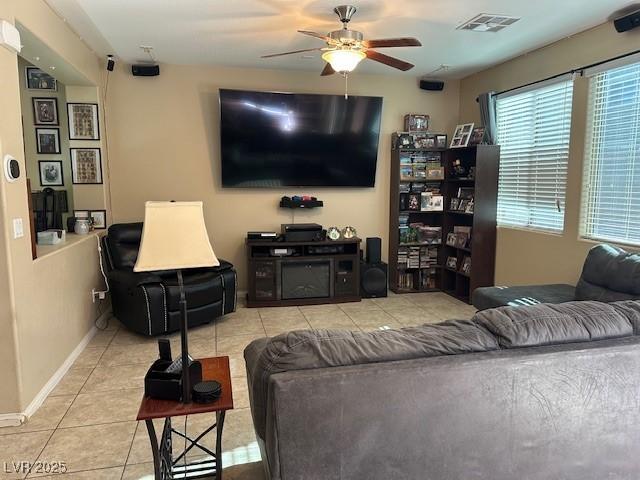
{"points": [[374, 250], [373, 280]]}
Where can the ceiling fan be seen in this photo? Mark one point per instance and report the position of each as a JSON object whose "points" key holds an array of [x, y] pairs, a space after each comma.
{"points": [[346, 48]]}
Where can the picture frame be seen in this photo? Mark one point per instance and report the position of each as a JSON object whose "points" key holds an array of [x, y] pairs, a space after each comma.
{"points": [[51, 174], [36, 79], [452, 239], [45, 111], [48, 141], [469, 208], [461, 135], [416, 122], [414, 202], [477, 136], [84, 123], [466, 265], [452, 263], [86, 166], [99, 219], [454, 204], [432, 202], [81, 213], [441, 141]]}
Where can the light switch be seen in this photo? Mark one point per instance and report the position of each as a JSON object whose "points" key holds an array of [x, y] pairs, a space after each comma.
{"points": [[18, 229]]}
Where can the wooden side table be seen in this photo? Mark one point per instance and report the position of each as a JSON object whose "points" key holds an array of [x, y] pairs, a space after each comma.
{"points": [[167, 465]]}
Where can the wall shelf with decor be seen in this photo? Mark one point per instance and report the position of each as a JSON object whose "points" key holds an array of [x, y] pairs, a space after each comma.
{"points": [[451, 249]]}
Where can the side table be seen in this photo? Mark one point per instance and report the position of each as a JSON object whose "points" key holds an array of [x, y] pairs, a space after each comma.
{"points": [[167, 465]]}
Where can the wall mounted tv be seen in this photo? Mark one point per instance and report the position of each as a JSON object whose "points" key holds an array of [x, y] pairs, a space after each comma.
{"points": [[276, 140]]}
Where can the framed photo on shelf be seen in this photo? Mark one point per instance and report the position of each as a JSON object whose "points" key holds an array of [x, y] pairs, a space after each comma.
{"points": [[414, 202], [83, 121], [45, 111], [416, 122], [51, 173], [48, 140], [477, 136], [441, 141], [81, 214], [466, 265], [36, 79], [469, 207], [99, 219], [452, 263], [461, 135], [86, 166], [454, 204], [452, 239]]}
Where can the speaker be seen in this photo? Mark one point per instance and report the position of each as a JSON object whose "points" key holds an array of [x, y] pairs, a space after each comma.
{"points": [[628, 22], [431, 85], [374, 250], [373, 280], [145, 70]]}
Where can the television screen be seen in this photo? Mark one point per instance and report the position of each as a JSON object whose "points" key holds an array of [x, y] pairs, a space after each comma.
{"points": [[293, 140]]}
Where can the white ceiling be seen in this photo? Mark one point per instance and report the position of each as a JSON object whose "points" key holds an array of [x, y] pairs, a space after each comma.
{"points": [[237, 32]]}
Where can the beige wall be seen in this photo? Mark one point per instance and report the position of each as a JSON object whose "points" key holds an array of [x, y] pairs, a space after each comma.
{"points": [[529, 257], [164, 143], [45, 306]]}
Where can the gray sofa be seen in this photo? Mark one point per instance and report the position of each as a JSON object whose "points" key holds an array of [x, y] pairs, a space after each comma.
{"points": [[536, 393], [609, 274]]}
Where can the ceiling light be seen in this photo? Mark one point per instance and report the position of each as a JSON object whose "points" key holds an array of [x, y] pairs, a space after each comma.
{"points": [[343, 60], [486, 22]]}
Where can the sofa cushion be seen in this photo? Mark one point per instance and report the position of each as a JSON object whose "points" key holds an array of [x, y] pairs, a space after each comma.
{"points": [[548, 324], [493, 297], [609, 274], [307, 349]]}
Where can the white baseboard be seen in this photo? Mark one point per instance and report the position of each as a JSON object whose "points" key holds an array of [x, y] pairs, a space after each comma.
{"points": [[15, 419]]}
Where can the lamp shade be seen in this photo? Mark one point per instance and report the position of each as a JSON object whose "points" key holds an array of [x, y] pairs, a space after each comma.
{"points": [[343, 60], [174, 237]]}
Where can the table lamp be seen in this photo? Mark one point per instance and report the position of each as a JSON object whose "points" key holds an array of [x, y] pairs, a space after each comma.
{"points": [[174, 238]]}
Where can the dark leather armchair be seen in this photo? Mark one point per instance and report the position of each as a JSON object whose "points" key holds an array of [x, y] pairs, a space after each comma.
{"points": [[147, 303]]}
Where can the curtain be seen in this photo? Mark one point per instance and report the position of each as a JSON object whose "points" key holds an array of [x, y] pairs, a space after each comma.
{"points": [[487, 103]]}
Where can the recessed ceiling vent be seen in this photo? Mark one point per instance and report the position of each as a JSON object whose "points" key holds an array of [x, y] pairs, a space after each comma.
{"points": [[486, 22]]}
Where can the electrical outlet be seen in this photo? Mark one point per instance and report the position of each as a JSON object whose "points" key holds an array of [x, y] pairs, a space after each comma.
{"points": [[18, 228], [97, 294]]}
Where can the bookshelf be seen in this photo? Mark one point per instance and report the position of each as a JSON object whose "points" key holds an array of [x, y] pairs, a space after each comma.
{"points": [[420, 260]]}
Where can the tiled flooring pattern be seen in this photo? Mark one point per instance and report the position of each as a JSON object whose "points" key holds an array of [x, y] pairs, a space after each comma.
{"points": [[88, 421]]}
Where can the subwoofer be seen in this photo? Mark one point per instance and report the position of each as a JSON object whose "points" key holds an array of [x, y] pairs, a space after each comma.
{"points": [[373, 280]]}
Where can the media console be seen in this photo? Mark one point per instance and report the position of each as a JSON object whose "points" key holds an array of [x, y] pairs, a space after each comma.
{"points": [[303, 273]]}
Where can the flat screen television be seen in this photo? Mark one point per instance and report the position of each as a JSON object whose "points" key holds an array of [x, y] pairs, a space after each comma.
{"points": [[276, 140]]}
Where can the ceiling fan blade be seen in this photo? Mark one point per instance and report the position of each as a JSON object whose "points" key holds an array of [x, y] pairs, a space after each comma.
{"points": [[290, 53], [327, 70], [319, 35], [387, 60], [392, 42]]}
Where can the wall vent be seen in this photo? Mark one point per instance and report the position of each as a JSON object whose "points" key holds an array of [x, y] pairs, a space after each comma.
{"points": [[486, 22]]}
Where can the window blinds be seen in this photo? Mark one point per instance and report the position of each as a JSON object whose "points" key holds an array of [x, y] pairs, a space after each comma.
{"points": [[533, 133], [611, 188]]}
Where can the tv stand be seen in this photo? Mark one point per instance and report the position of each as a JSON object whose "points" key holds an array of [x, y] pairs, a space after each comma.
{"points": [[303, 273]]}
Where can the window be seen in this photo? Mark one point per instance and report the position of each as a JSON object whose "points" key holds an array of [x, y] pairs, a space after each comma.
{"points": [[611, 189], [533, 133]]}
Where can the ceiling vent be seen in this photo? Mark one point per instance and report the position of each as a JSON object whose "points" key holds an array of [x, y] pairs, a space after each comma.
{"points": [[486, 22]]}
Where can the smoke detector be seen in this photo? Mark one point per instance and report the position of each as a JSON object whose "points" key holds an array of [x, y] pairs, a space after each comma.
{"points": [[487, 22]]}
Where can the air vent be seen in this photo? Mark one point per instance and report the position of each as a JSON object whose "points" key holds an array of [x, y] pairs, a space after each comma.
{"points": [[486, 22]]}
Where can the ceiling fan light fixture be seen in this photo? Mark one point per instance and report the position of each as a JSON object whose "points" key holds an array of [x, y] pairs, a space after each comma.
{"points": [[343, 60]]}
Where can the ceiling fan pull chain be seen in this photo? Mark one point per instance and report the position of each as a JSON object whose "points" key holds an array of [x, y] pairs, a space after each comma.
{"points": [[346, 86]]}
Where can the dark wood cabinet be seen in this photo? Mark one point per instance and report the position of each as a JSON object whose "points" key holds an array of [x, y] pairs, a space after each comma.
{"points": [[303, 273], [433, 273]]}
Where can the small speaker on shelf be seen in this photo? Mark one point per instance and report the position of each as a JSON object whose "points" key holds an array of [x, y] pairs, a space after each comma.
{"points": [[373, 280], [374, 250]]}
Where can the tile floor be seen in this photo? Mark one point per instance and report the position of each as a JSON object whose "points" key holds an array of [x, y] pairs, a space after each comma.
{"points": [[88, 421]]}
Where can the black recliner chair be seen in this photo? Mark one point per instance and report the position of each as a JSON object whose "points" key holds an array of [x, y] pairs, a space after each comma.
{"points": [[147, 303]]}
